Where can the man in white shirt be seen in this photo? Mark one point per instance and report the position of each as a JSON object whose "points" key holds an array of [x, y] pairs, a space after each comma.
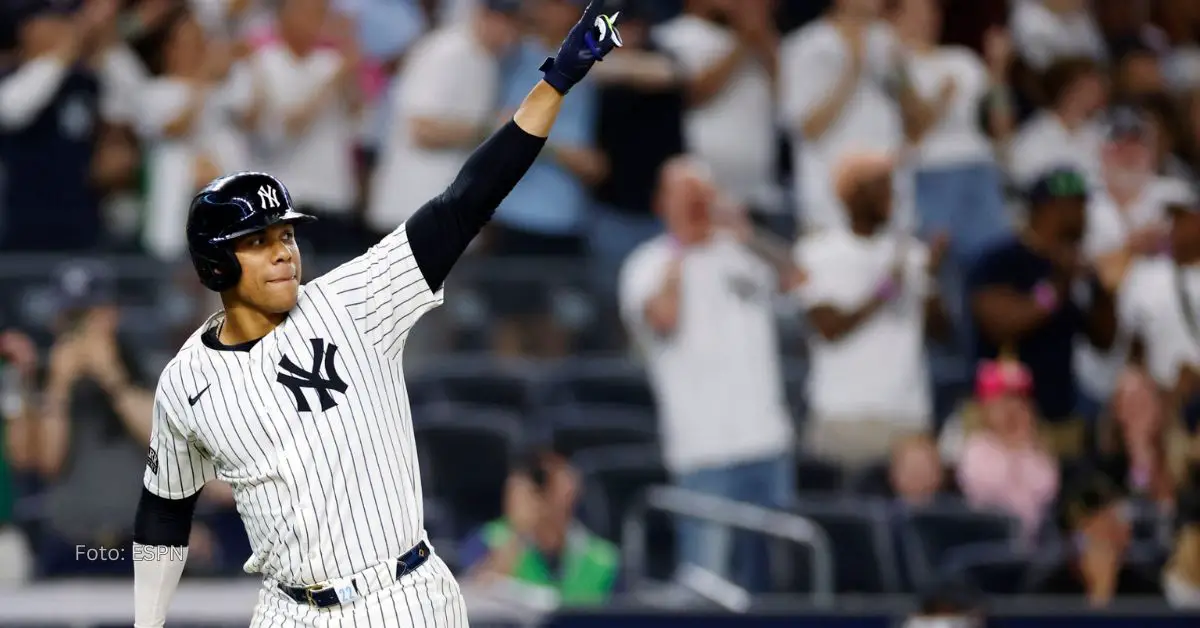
{"points": [[1126, 220], [311, 110], [870, 298], [437, 119], [1066, 134], [1158, 304], [728, 50], [698, 303], [843, 87], [1048, 30]]}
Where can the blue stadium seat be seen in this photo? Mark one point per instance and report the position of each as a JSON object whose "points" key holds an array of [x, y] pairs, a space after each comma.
{"points": [[599, 382], [864, 555], [993, 568], [483, 381], [930, 533], [465, 460], [578, 428], [615, 479]]}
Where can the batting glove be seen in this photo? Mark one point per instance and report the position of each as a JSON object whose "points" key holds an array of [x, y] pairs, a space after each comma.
{"points": [[593, 37]]}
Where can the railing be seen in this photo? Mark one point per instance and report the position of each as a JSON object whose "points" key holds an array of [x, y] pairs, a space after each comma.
{"points": [[731, 514]]}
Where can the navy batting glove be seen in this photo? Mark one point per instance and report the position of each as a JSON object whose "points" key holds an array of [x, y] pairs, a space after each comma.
{"points": [[593, 37]]}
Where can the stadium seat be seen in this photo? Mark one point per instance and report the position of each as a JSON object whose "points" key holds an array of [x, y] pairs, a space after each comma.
{"points": [[483, 381], [487, 439], [993, 568], [858, 533], [599, 382], [615, 480], [930, 533], [574, 429], [818, 475], [873, 479]]}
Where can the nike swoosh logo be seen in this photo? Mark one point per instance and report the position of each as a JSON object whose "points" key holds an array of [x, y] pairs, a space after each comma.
{"points": [[192, 400]]}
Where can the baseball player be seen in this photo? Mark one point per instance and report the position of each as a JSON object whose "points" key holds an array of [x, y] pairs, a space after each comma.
{"points": [[295, 395]]}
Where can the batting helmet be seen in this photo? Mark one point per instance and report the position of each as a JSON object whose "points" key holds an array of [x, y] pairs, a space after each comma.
{"points": [[229, 208]]}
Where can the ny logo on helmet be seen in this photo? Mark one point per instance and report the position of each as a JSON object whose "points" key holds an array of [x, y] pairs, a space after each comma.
{"points": [[268, 197]]}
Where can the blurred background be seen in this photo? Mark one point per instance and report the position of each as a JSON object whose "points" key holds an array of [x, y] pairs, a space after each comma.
{"points": [[825, 311]]}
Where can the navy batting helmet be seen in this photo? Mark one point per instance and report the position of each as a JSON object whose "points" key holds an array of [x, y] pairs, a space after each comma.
{"points": [[229, 208]]}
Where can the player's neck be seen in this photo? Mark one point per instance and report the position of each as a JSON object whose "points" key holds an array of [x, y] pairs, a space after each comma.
{"points": [[243, 324]]}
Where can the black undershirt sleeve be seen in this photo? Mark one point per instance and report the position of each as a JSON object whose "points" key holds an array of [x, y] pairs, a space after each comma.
{"points": [[441, 229], [161, 521]]}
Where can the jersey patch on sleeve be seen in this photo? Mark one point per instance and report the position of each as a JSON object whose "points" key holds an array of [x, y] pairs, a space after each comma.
{"points": [[152, 460]]}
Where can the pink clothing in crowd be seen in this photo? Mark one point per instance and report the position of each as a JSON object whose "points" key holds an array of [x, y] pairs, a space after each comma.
{"points": [[1021, 481], [372, 78]]}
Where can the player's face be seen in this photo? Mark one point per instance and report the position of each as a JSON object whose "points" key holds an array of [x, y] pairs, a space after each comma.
{"points": [[270, 261]]}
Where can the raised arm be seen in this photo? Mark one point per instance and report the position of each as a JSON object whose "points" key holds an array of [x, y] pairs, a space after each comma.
{"points": [[399, 279], [176, 471]]}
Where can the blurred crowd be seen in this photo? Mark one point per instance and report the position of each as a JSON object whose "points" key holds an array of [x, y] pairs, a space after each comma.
{"points": [[983, 217]]}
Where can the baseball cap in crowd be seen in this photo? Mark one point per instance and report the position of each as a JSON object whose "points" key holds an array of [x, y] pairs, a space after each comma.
{"points": [[996, 378], [1059, 183], [83, 284], [1127, 122]]}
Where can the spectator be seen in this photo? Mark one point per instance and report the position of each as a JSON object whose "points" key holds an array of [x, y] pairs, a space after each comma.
{"points": [[728, 50], [1126, 218], [19, 362], [640, 126], [869, 293], [959, 188], [1003, 466], [1094, 517], [194, 117], [49, 124], [1047, 31], [437, 118], [1023, 298], [698, 303], [916, 474], [1065, 132], [1181, 578], [1157, 299], [837, 80], [312, 102], [543, 218], [538, 541], [1140, 451], [94, 425], [1137, 70]]}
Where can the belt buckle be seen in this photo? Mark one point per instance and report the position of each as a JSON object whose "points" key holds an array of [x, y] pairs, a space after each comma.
{"points": [[308, 594]]}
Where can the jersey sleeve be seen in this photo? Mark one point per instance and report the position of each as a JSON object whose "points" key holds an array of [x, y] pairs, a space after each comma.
{"points": [[175, 466], [385, 291]]}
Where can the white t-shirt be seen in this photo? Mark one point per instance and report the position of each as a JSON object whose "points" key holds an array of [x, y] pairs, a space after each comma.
{"points": [[317, 164], [1041, 36], [1148, 306], [879, 369], [1108, 228], [811, 62], [717, 377], [957, 138], [1043, 143], [214, 134], [734, 131], [409, 175]]}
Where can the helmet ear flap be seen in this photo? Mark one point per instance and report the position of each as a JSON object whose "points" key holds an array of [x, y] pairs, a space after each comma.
{"points": [[219, 270]]}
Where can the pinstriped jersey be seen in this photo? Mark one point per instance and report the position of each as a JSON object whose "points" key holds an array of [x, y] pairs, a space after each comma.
{"points": [[310, 425]]}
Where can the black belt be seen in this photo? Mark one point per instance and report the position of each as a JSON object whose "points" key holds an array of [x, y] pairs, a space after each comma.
{"points": [[327, 595]]}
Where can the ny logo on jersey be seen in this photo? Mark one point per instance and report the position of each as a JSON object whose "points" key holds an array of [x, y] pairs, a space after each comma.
{"points": [[268, 196], [297, 379]]}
